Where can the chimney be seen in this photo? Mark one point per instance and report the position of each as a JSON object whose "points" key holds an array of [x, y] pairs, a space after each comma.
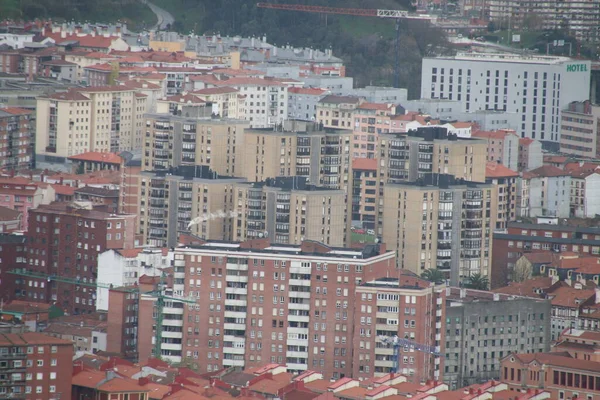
{"points": [[597, 297], [63, 34], [142, 381], [252, 42], [93, 33], [463, 293]]}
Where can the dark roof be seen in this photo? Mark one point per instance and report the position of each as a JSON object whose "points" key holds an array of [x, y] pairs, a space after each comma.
{"points": [[96, 191], [6, 238], [333, 99], [8, 214], [237, 378], [542, 239]]}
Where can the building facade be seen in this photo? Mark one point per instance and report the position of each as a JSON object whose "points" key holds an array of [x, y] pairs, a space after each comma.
{"points": [[482, 328], [288, 211], [535, 87], [441, 223], [579, 129], [17, 134], [502, 147]]}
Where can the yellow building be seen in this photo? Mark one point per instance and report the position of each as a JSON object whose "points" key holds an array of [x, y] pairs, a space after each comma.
{"points": [[337, 111], [102, 119], [441, 222], [289, 211]]}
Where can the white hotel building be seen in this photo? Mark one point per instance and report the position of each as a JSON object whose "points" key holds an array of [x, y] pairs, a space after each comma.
{"points": [[535, 87]]}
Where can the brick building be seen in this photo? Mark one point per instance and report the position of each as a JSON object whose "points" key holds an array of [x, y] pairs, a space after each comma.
{"points": [[13, 255], [122, 322], [65, 239], [273, 303], [22, 195], [521, 238], [17, 132], [34, 366]]}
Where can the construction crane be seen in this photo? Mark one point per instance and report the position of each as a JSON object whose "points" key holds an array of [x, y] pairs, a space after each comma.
{"points": [[159, 294], [359, 12], [397, 342]]}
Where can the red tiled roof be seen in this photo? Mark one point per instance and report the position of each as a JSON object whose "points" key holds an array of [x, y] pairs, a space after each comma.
{"points": [[64, 190], [8, 214], [129, 253], [558, 360], [526, 141], [375, 106], [549, 171], [526, 288], [19, 339], [16, 110], [340, 382], [500, 134], [71, 95], [185, 98], [496, 170], [369, 164], [307, 91], [566, 296], [96, 156]]}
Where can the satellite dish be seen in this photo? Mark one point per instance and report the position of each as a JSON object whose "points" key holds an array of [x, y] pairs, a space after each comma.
{"points": [[377, 240], [266, 234], [260, 234]]}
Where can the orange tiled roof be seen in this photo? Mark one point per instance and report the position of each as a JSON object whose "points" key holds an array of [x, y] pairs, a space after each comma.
{"points": [[364, 164], [566, 296], [500, 134], [527, 288], [558, 361], [16, 110], [97, 41], [496, 170], [526, 141], [96, 156], [64, 190], [549, 171]]}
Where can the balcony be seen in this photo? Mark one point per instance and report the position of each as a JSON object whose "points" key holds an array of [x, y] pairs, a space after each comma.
{"points": [[234, 350]]}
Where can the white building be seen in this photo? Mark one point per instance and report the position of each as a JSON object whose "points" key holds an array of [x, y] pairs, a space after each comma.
{"points": [[15, 40], [124, 268], [549, 192], [585, 194], [535, 87], [302, 102]]}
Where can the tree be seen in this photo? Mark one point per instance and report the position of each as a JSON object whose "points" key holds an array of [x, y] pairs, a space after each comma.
{"points": [[478, 282], [523, 270], [433, 275]]}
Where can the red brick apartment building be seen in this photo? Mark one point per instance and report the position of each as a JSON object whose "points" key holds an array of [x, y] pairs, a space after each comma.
{"points": [[566, 378], [64, 240], [308, 307], [35, 366], [12, 254], [522, 238]]}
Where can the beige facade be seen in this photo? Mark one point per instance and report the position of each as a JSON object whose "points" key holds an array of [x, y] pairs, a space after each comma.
{"points": [[579, 129], [301, 149], [337, 111], [105, 119], [226, 102], [446, 225], [190, 200], [173, 141], [288, 211]]}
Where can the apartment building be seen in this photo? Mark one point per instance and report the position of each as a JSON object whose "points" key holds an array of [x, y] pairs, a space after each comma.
{"points": [[285, 304], [412, 155], [302, 102], [406, 307], [505, 181], [12, 252], [227, 102], [188, 199], [266, 99], [441, 222], [549, 192], [124, 267], [299, 149], [546, 235], [106, 119], [336, 111], [502, 147], [22, 195], [535, 87], [287, 210], [174, 141], [483, 327], [579, 129], [65, 239], [34, 365], [578, 18], [365, 193], [370, 120], [584, 199], [17, 134], [530, 154]]}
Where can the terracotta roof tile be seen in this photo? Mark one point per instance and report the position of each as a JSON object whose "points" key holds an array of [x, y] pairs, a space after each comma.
{"points": [[16, 111], [496, 170], [549, 171], [558, 360], [8, 214], [64, 190], [566, 296], [369, 164], [499, 135], [528, 288], [97, 41], [96, 156], [216, 90]]}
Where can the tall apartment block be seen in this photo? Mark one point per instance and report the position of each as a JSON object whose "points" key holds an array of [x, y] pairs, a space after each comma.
{"points": [[173, 141], [188, 199], [579, 129], [404, 306], [64, 240], [34, 365], [288, 304], [365, 193], [441, 222], [483, 327], [17, 134], [106, 118], [578, 18], [537, 88], [412, 155], [301, 148], [370, 120], [288, 210], [337, 111]]}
